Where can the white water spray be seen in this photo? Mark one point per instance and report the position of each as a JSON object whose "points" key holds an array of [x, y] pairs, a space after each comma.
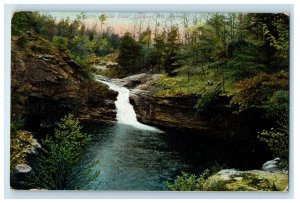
{"points": [[125, 111]]}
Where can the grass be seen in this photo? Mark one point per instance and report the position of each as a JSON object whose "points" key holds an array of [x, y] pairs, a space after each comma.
{"points": [[112, 57], [179, 85]]}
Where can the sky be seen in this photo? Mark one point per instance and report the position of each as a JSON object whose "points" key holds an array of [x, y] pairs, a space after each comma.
{"points": [[121, 22]]}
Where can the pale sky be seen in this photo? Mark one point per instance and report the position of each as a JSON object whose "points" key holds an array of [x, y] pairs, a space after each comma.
{"points": [[121, 22]]}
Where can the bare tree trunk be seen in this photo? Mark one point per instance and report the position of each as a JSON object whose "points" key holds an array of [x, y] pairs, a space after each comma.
{"points": [[202, 67]]}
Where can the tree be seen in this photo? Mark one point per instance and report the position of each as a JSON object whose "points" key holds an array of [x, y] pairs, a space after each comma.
{"points": [[171, 50], [129, 54], [159, 52], [279, 39], [60, 161], [145, 37], [63, 27], [22, 21], [102, 20]]}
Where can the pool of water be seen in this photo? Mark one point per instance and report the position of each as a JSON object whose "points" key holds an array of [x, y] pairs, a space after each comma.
{"points": [[135, 159]]}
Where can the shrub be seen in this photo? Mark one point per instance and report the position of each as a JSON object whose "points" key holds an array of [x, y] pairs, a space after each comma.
{"points": [[22, 41], [207, 98], [217, 185], [277, 105], [256, 91], [21, 144], [277, 139], [188, 182], [61, 162], [60, 42]]}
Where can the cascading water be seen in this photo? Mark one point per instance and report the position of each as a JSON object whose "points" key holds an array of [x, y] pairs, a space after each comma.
{"points": [[134, 156], [125, 111]]}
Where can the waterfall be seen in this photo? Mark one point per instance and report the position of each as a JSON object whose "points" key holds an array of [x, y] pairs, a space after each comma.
{"points": [[125, 111]]}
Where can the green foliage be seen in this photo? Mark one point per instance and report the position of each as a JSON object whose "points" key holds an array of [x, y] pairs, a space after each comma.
{"points": [[16, 124], [113, 72], [219, 185], [22, 41], [247, 60], [86, 67], [256, 91], [277, 139], [62, 158], [277, 106], [61, 43], [129, 53], [21, 22], [256, 182], [188, 182], [207, 98], [178, 86], [21, 143], [279, 38]]}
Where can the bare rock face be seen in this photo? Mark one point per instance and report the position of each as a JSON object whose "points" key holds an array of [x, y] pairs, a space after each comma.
{"points": [[175, 112], [46, 84], [178, 112]]}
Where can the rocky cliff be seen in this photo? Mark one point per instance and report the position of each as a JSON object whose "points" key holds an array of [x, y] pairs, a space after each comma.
{"points": [[179, 112], [47, 84]]}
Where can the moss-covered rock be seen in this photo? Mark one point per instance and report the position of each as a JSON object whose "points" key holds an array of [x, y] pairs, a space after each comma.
{"points": [[253, 180]]}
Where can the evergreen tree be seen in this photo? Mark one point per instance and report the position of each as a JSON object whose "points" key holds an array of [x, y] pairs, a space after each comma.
{"points": [[129, 54], [61, 161]]}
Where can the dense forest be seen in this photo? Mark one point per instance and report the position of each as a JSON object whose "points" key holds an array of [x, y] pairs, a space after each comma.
{"points": [[240, 59]]}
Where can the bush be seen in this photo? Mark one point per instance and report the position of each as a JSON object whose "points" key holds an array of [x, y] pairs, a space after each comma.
{"points": [[60, 42], [278, 105], [277, 139], [61, 161], [22, 41], [21, 144], [256, 91], [188, 182], [113, 72], [207, 98], [217, 185], [86, 67]]}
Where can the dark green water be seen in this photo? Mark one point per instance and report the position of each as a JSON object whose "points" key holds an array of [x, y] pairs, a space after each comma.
{"points": [[135, 159]]}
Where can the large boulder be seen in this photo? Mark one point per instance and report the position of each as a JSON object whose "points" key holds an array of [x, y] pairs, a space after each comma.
{"points": [[270, 178], [253, 180], [271, 166], [22, 169], [19, 176]]}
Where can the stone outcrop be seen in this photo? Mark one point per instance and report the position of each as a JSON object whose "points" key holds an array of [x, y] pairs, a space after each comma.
{"points": [[175, 112], [19, 175], [252, 180], [46, 84], [271, 166]]}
